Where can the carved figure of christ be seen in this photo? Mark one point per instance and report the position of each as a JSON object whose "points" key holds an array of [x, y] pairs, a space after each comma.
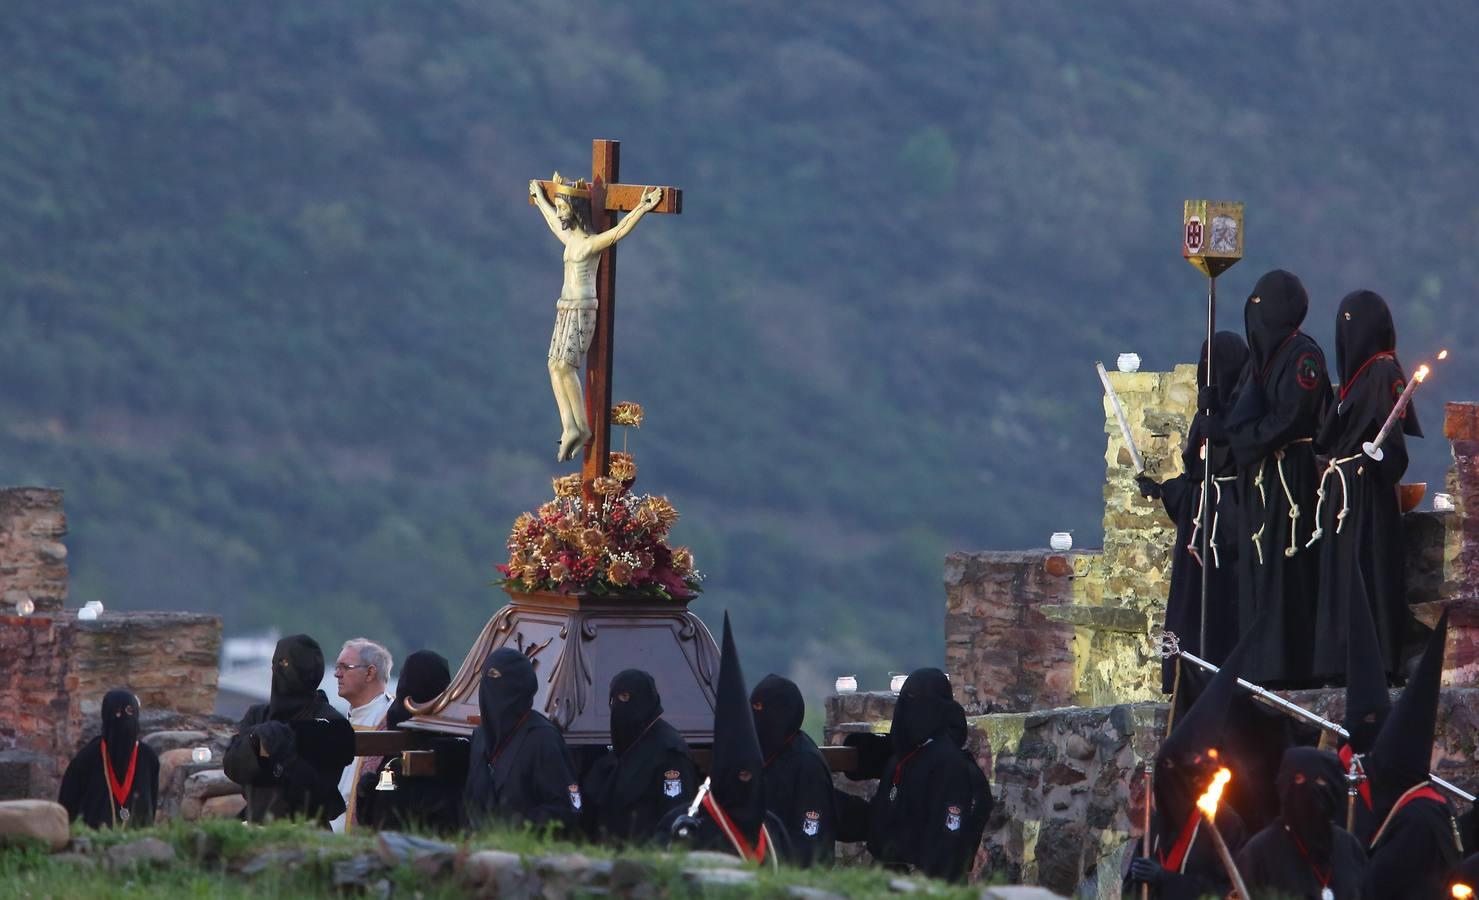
{"points": [[569, 217]]}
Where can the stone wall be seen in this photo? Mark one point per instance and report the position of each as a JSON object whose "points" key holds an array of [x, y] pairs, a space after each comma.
{"points": [[1002, 652], [33, 559], [1460, 591], [55, 669]]}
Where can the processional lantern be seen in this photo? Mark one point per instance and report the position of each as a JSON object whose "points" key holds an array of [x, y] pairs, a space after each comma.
{"points": [[1212, 235], [1211, 240]]}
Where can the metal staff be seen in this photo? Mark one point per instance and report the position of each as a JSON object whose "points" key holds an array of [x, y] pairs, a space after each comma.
{"points": [[1211, 240], [1145, 836], [1170, 647], [1119, 413], [684, 826]]}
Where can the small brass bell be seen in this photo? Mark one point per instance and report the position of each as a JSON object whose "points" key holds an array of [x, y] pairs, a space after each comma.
{"points": [[387, 781]]}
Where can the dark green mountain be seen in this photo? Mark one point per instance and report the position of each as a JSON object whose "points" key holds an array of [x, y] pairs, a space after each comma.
{"points": [[273, 309]]}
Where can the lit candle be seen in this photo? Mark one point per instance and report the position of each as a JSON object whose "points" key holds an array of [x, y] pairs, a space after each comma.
{"points": [[87, 614], [847, 684], [1128, 362], [25, 606], [1373, 448], [896, 681], [1061, 540], [95, 605], [201, 754], [1443, 502]]}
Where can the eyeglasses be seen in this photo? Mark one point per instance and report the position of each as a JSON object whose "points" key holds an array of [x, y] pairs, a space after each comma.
{"points": [[341, 668]]}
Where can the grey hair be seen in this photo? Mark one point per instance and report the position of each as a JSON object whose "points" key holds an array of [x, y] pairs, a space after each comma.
{"points": [[371, 654]]}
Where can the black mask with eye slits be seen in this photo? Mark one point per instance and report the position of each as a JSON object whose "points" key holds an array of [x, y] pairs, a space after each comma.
{"points": [[424, 676], [926, 709], [634, 705], [505, 695], [1310, 785], [779, 711], [120, 728], [297, 671]]}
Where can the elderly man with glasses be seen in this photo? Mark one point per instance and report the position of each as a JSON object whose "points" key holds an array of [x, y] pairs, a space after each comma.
{"points": [[363, 674]]}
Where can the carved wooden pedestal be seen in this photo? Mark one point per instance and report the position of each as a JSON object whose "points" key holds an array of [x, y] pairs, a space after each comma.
{"points": [[577, 643]]}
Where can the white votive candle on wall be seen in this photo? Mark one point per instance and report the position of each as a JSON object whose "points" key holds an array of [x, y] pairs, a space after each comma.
{"points": [[201, 755], [1128, 362], [87, 614], [25, 606], [896, 681], [1061, 540], [1443, 502], [847, 684]]}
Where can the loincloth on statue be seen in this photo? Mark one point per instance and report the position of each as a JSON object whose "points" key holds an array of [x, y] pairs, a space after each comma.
{"points": [[575, 325]]}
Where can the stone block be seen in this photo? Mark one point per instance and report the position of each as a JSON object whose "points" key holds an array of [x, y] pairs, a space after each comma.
{"points": [[228, 806], [144, 852], [34, 821]]}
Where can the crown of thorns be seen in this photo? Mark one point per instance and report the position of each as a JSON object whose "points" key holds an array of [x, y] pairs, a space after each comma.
{"points": [[576, 188]]}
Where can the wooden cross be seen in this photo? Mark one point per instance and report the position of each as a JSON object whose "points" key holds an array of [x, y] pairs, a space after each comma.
{"points": [[608, 197]]}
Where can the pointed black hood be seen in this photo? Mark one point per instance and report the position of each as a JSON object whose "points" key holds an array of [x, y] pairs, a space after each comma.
{"points": [[1367, 700], [424, 675], [1403, 751], [1188, 756], [505, 695], [297, 671], [738, 764], [635, 705], [779, 710], [120, 728], [1272, 314]]}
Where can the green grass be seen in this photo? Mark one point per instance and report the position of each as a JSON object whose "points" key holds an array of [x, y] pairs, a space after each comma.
{"points": [[208, 854]]}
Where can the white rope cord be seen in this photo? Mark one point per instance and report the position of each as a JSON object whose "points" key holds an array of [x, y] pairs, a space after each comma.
{"points": [[1216, 514], [1262, 506], [1345, 499], [1196, 528]]}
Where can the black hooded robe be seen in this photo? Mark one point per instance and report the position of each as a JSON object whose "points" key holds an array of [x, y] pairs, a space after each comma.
{"points": [[647, 773], [1271, 862], [423, 802], [85, 790], [1362, 552], [1414, 851], [798, 781], [732, 818], [519, 768], [1182, 498], [307, 742], [930, 805], [1281, 401], [1416, 844], [1302, 851]]}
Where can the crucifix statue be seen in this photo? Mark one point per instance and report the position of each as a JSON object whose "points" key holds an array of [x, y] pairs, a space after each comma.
{"points": [[580, 215]]}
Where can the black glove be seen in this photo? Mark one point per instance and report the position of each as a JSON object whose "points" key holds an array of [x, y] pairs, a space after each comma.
{"points": [[1214, 428], [684, 828], [1150, 489], [276, 740], [1147, 870], [1208, 400]]}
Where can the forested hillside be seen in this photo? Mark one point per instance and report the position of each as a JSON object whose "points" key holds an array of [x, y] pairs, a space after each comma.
{"points": [[273, 309]]}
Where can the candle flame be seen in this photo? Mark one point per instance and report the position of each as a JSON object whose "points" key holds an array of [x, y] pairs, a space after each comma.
{"points": [[1442, 354], [1462, 891], [1422, 372], [1208, 801]]}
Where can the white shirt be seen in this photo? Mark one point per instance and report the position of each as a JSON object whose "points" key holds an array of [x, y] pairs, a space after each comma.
{"points": [[370, 717]]}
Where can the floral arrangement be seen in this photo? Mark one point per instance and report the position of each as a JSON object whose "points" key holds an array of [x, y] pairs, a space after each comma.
{"points": [[617, 547]]}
